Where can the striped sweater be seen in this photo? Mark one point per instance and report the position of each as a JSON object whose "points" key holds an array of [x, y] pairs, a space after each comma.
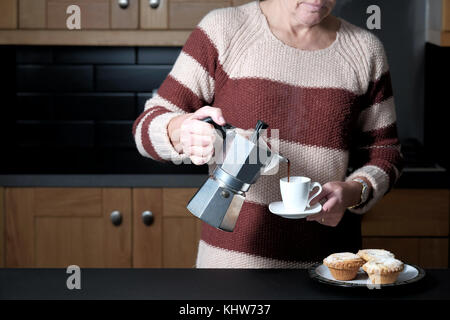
{"points": [[333, 107]]}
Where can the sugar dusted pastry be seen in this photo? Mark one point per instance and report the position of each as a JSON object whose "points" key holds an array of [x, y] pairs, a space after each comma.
{"points": [[383, 270], [344, 265], [373, 254]]}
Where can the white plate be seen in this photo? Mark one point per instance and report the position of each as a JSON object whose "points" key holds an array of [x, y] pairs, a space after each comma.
{"points": [[408, 275], [279, 209]]}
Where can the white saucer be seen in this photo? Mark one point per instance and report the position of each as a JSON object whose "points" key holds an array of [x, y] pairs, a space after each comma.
{"points": [[279, 209]]}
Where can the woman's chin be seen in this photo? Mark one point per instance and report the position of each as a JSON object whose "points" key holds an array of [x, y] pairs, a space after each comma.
{"points": [[309, 19]]}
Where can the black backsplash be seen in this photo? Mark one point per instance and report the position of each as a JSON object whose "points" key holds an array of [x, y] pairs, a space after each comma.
{"points": [[70, 109]]}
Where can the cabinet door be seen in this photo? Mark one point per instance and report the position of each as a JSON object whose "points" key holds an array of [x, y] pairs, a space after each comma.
{"points": [[409, 212], [8, 14], [124, 18], [236, 3], [439, 15], [181, 230], [32, 14], [153, 18], [94, 14], [147, 245], [446, 15], [58, 227], [185, 14], [425, 252], [2, 228]]}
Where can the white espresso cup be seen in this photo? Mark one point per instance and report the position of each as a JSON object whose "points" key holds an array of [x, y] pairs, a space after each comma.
{"points": [[295, 193]]}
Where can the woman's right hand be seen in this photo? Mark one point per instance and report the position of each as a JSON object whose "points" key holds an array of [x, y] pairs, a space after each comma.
{"points": [[193, 137]]}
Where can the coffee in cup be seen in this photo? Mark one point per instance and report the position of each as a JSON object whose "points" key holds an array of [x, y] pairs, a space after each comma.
{"points": [[295, 192]]}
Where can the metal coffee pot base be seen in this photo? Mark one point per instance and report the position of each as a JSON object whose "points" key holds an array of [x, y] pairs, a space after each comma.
{"points": [[217, 205]]}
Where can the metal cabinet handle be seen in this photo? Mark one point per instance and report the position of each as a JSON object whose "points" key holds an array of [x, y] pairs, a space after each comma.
{"points": [[147, 218], [154, 3], [123, 3], [116, 218]]}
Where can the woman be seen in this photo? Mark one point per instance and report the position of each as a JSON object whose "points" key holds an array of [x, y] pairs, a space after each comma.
{"points": [[323, 83]]}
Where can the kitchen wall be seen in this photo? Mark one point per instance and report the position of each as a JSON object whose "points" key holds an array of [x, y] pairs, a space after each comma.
{"points": [[403, 33], [71, 109], [91, 95]]}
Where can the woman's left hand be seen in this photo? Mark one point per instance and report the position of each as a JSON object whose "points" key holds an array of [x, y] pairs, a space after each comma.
{"points": [[339, 195]]}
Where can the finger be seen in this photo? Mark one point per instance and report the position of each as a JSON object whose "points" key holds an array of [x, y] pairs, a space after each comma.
{"points": [[214, 113], [201, 141], [323, 195], [201, 152], [328, 206], [199, 160], [188, 146], [198, 127], [314, 217], [324, 219]]}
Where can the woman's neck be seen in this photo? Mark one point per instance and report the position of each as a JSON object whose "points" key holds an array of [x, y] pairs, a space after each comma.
{"points": [[288, 29]]}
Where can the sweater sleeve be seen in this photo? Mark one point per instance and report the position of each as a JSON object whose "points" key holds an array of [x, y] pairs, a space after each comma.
{"points": [[376, 153], [188, 87]]}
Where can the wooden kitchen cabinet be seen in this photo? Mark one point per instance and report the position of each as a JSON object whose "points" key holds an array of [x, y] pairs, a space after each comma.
{"points": [[412, 223], [2, 227], [186, 14], [409, 212], [8, 14], [236, 3], [181, 230], [438, 29], [425, 252], [124, 18], [103, 22], [32, 14], [57, 227], [147, 243], [439, 14], [95, 14], [171, 241], [154, 18]]}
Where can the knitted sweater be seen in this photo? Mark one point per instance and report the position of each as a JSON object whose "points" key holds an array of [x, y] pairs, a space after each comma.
{"points": [[333, 107]]}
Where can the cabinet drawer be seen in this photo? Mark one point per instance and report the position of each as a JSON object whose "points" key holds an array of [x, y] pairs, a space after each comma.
{"points": [[409, 212], [94, 13], [236, 3], [8, 14], [153, 18], [126, 18], [187, 14], [32, 14]]}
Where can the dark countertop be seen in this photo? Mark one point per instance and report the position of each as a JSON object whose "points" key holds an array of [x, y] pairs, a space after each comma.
{"points": [[205, 284], [432, 177]]}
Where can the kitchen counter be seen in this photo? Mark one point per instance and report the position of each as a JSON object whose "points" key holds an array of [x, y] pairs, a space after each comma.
{"points": [[432, 177], [205, 284]]}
